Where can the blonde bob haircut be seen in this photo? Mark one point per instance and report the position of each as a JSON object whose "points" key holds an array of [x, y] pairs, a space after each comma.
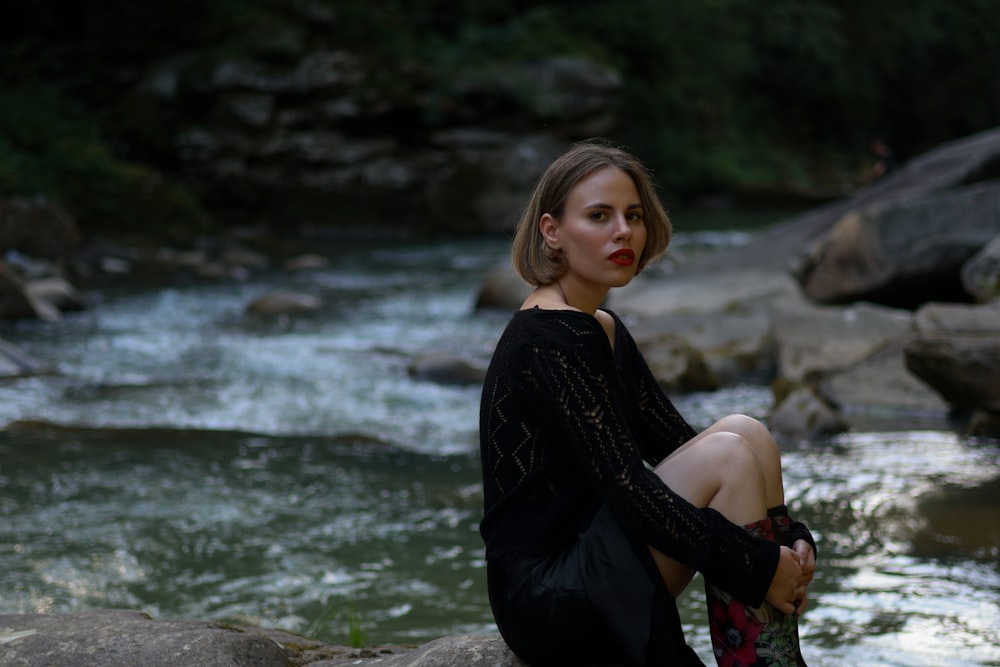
{"points": [[532, 258]]}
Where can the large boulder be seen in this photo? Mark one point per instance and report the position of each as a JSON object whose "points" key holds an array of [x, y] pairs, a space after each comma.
{"points": [[124, 638], [903, 254], [502, 289], [676, 364], [814, 341], [129, 638], [833, 365], [955, 349], [724, 348]]}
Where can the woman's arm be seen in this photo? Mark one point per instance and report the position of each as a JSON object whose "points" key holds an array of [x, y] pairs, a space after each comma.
{"points": [[657, 426]]}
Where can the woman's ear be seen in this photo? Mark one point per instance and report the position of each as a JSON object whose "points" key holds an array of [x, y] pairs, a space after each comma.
{"points": [[549, 227]]}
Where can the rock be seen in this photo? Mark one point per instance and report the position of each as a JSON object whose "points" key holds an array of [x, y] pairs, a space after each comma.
{"points": [[16, 303], [955, 349], [902, 254], [502, 289], [283, 302], [676, 365], [486, 650], [55, 292], [802, 416], [123, 638], [744, 298], [981, 274], [816, 340], [446, 369], [487, 175], [37, 227], [312, 139], [734, 345], [881, 385], [129, 638]]}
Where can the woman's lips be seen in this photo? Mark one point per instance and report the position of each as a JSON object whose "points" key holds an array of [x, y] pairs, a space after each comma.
{"points": [[623, 257]]}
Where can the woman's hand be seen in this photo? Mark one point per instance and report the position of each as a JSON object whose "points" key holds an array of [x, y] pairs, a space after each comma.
{"points": [[786, 586], [807, 559]]}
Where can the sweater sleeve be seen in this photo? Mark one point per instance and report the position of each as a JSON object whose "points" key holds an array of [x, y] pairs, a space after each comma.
{"points": [[583, 394], [658, 428]]}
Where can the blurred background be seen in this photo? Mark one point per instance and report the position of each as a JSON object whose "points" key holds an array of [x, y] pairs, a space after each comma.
{"points": [[422, 115]]}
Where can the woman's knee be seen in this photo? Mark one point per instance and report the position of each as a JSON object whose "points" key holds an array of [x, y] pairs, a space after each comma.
{"points": [[764, 448], [707, 464], [753, 431], [746, 426], [743, 485]]}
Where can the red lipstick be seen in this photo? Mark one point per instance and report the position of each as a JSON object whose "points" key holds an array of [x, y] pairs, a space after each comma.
{"points": [[623, 257]]}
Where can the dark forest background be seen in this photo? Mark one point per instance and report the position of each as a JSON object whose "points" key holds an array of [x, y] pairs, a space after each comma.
{"points": [[729, 96]]}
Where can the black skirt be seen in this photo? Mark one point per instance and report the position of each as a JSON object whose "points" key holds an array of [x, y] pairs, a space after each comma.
{"points": [[599, 601]]}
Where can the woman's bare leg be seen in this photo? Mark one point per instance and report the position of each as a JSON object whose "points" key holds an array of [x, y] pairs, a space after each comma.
{"points": [[734, 467]]}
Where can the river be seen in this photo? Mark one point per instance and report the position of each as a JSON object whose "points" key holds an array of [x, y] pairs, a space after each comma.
{"points": [[192, 461]]}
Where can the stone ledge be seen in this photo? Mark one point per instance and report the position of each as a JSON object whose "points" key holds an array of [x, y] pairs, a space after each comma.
{"points": [[126, 638]]}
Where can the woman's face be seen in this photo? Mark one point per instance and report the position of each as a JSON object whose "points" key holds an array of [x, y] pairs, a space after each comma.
{"points": [[601, 231]]}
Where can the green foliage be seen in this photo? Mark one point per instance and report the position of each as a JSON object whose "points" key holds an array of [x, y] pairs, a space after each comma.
{"points": [[357, 634], [719, 94], [46, 149]]}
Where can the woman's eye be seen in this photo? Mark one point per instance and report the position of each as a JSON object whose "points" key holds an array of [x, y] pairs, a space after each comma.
{"points": [[634, 217], [598, 216]]}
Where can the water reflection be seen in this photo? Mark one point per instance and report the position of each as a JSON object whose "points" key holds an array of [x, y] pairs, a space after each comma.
{"points": [[303, 532]]}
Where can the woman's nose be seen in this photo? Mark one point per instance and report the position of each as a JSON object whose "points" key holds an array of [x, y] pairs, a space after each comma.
{"points": [[623, 230]]}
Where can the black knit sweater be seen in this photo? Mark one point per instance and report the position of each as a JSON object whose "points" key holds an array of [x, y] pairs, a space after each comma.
{"points": [[566, 424]]}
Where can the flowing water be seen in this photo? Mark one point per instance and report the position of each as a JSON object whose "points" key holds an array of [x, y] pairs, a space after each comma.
{"points": [[192, 461]]}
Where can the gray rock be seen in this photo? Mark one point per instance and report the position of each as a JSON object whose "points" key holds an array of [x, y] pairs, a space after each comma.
{"points": [[881, 385], [904, 253], [735, 344], [955, 348], [124, 638], [981, 274], [485, 650], [283, 302], [803, 415], [817, 340], [502, 289], [841, 356], [128, 638], [677, 365], [446, 369]]}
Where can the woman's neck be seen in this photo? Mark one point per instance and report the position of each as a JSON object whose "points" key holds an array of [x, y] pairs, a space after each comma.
{"points": [[563, 295]]}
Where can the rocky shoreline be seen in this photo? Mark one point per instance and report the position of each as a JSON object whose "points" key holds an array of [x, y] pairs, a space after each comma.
{"points": [[884, 305], [124, 638]]}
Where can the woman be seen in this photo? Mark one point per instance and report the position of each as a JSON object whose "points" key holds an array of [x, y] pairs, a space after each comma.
{"points": [[587, 546]]}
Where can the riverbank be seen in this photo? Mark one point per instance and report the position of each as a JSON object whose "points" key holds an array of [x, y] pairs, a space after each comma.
{"points": [[121, 638]]}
